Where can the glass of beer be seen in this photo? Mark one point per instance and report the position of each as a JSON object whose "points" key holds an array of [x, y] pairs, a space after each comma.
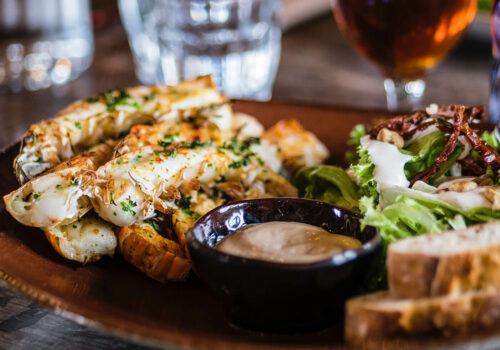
{"points": [[404, 38]]}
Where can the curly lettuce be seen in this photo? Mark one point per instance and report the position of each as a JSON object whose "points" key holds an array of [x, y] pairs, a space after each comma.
{"points": [[354, 141], [364, 170]]}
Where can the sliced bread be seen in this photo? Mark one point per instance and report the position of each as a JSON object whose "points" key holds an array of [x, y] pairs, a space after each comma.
{"points": [[379, 316], [447, 263]]}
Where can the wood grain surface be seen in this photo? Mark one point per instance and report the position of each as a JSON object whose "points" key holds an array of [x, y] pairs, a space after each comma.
{"points": [[317, 66]]}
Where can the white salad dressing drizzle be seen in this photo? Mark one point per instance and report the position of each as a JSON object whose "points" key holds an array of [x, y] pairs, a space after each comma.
{"points": [[389, 162], [464, 200]]}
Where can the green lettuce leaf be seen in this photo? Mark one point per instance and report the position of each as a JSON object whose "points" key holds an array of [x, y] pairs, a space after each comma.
{"points": [[405, 218], [328, 183], [354, 141], [364, 170], [491, 139], [425, 150]]}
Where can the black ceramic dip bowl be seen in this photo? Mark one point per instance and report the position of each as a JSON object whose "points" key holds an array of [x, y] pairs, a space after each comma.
{"points": [[281, 297]]}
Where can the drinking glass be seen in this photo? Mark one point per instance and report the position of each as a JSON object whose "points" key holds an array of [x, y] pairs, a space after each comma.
{"points": [[139, 22], [404, 38], [43, 42], [237, 41]]}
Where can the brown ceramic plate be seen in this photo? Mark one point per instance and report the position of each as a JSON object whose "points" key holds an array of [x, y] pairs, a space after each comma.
{"points": [[114, 296]]}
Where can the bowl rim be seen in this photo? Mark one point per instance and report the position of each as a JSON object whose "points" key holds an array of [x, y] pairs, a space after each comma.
{"points": [[336, 260]]}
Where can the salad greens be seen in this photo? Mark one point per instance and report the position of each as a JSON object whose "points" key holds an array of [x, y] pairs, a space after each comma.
{"points": [[397, 211], [328, 183]]}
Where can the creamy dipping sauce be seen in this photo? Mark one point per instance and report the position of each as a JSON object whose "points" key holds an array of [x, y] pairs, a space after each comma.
{"points": [[285, 242]]}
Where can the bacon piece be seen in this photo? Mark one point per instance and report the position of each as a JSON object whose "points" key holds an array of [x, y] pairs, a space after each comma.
{"points": [[448, 149]]}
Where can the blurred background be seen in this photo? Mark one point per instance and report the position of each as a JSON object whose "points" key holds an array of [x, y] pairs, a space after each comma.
{"points": [[65, 50], [317, 64]]}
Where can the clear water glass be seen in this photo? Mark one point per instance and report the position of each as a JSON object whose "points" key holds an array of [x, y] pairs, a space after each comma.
{"points": [[237, 41], [43, 43], [138, 18]]}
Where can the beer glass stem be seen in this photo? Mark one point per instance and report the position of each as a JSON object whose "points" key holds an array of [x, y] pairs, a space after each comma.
{"points": [[404, 95]]}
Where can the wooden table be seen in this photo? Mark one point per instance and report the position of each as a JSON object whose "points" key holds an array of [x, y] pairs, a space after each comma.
{"points": [[317, 66]]}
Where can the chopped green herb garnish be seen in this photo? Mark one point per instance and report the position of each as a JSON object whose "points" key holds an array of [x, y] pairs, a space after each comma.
{"points": [[78, 125], [171, 137], [75, 182], [127, 206], [240, 163], [156, 223], [92, 99], [58, 187], [122, 99], [222, 178], [71, 143], [112, 200], [195, 144], [36, 195], [191, 213]]}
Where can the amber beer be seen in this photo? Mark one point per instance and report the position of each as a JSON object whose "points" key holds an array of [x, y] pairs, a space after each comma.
{"points": [[404, 37]]}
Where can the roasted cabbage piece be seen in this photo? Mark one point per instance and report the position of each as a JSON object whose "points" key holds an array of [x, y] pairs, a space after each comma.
{"points": [[158, 257], [87, 122], [84, 240], [57, 197]]}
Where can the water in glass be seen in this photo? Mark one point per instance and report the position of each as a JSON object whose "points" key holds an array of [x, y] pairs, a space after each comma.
{"points": [[43, 42], [237, 41]]}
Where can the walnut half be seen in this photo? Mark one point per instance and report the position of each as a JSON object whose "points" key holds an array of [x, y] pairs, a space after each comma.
{"points": [[492, 193], [389, 136]]}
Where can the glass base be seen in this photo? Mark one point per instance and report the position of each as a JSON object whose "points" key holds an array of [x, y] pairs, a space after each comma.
{"points": [[404, 95]]}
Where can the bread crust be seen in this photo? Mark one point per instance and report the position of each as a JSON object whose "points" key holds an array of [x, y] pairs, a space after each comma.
{"points": [[158, 257], [414, 273], [378, 316]]}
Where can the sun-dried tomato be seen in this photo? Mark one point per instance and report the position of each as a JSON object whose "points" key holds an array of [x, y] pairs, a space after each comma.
{"points": [[471, 167], [471, 114], [409, 133], [487, 153], [403, 124], [448, 149]]}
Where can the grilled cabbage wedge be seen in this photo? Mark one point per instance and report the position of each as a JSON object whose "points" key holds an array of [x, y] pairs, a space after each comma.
{"points": [[57, 197], [88, 122]]}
